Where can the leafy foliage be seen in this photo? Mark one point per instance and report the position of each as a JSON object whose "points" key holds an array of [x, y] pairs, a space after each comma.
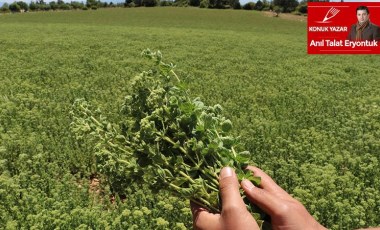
{"points": [[14, 7], [286, 5], [166, 139]]}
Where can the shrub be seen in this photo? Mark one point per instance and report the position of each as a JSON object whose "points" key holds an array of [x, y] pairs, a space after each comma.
{"points": [[277, 10], [181, 3], [65, 7], [259, 5], [138, 3], [14, 7], [249, 6], [286, 6], [165, 3], [194, 2], [53, 5], [33, 6], [127, 2], [23, 5], [302, 9], [45, 7], [267, 8], [237, 5], [77, 5], [4, 8], [150, 3], [204, 4]]}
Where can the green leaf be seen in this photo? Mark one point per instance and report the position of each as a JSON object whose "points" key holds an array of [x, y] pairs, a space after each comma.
{"points": [[226, 126], [248, 176]]}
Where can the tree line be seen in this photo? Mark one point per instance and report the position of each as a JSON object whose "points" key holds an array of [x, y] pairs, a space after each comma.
{"points": [[278, 6]]}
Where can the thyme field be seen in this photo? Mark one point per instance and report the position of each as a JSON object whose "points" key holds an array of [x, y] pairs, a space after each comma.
{"points": [[310, 121]]}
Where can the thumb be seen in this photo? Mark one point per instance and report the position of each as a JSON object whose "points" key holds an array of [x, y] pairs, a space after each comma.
{"points": [[234, 212], [229, 190]]}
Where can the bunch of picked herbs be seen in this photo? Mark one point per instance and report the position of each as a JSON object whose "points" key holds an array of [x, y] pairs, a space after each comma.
{"points": [[165, 139]]}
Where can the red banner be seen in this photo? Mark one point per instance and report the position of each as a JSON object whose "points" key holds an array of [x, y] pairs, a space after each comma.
{"points": [[343, 28]]}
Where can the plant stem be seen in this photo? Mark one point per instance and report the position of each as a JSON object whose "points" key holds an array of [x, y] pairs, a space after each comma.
{"points": [[180, 148], [175, 75], [212, 179], [187, 177]]}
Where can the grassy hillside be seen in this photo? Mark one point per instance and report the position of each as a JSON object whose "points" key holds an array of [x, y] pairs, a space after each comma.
{"points": [[312, 122]]}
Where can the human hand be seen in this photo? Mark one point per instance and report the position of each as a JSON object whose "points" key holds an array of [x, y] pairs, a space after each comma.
{"points": [[286, 212], [234, 213]]}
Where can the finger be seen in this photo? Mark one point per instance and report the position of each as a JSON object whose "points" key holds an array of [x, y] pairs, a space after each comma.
{"points": [[202, 219], [270, 203], [229, 191], [267, 182]]}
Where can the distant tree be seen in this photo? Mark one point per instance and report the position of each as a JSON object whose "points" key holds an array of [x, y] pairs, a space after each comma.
{"points": [[166, 3], [211, 3], [53, 5], [92, 4], [271, 6], [218, 4], [302, 8], [33, 6], [194, 2], [259, 5], [137, 2], [23, 6], [266, 4], [4, 8], [77, 5], [277, 10], [235, 4], [249, 6], [149, 3], [46, 7], [64, 6], [204, 4], [14, 7], [127, 2], [39, 5], [286, 5], [181, 3]]}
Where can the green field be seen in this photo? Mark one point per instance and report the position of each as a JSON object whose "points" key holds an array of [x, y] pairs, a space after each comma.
{"points": [[310, 121]]}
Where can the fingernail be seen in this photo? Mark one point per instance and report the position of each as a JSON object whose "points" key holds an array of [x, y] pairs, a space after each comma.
{"points": [[247, 184], [226, 172]]}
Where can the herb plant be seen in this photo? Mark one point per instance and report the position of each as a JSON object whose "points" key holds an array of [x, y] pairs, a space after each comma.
{"points": [[164, 139]]}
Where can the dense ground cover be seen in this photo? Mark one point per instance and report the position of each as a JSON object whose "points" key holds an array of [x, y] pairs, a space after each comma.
{"points": [[312, 122]]}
